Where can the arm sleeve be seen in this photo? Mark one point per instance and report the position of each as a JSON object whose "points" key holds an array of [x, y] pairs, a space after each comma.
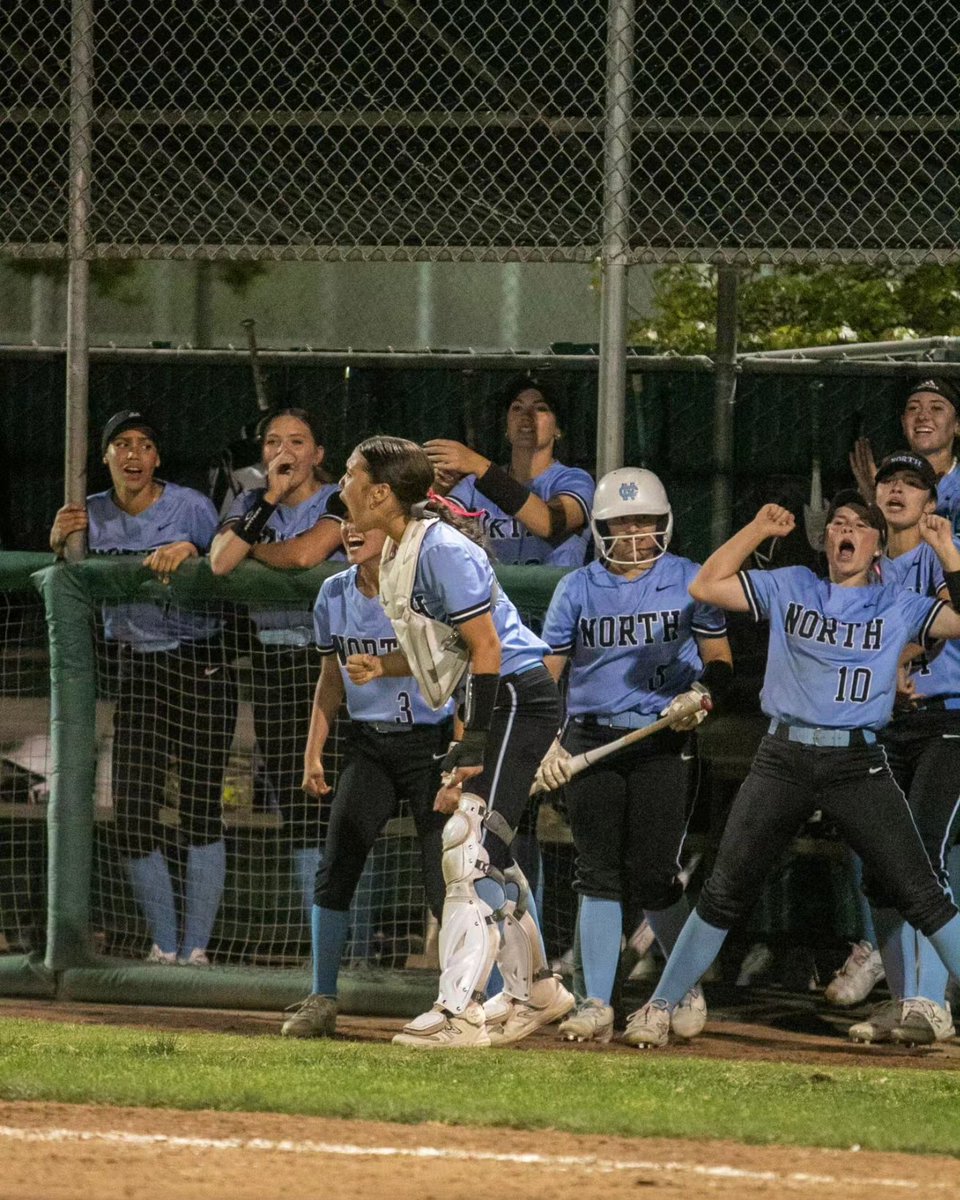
{"points": [[921, 612], [709, 621], [203, 522], [572, 481], [560, 623], [761, 589], [321, 621], [456, 574]]}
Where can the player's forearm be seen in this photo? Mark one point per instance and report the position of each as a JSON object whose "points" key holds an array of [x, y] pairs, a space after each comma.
{"points": [[306, 550], [724, 564], [227, 551], [394, 665]]}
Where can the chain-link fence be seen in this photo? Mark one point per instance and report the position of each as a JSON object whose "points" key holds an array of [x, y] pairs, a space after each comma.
{"points": [[433, 129]]}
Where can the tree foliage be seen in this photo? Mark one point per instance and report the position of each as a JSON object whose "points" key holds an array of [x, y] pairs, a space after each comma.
{"points": [[803, 306]]}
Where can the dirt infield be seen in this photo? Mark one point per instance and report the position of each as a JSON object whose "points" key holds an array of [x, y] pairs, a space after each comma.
{"points": [[69, 1152]]}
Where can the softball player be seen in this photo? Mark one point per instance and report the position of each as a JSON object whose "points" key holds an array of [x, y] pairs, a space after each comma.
{"points": [[830, 681], [509, 712], [536, 510], [396, 742], [923, 745], [636, 641], [175, 697], [287, 525], [931, 425]]}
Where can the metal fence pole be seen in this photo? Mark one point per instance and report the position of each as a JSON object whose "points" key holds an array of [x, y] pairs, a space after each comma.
{"points": [[616, 235], [724, 398], [78, 279]]}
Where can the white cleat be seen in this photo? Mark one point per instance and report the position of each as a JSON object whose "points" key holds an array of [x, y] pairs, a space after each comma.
{"points": [[923, 1022], [857, 978], [549, 1001], [649, 1027], [496, 1010], [591, 1022], [442, 1030], [879, 1026], [162, 957], [689, 1017]]}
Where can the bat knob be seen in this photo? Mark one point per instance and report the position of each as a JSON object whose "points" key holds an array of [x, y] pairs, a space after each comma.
{"points": [[706, 704]]}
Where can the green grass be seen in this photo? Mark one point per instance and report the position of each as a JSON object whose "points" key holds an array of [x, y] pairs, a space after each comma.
{"points": [[635, 1095]]}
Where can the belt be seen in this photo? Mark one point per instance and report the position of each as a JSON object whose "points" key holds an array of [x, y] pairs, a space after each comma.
{"points": [[810, 735], [938, 704], [624, 720], [391, 727]]}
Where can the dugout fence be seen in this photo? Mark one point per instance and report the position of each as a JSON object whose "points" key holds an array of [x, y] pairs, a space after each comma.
{"points": [[95, 940], [71, 925]]}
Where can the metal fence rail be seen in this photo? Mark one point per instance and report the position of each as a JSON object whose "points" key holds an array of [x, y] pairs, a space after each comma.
{"points": [[454, 129]]}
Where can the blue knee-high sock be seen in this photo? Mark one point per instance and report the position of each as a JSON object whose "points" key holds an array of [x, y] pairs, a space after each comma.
{"points": [[493, 894], [695, 949], [328, 936], [153, 891], [895, 941], [932, 975], [667, 923], [946, 942], [205, 876], [526, 854], [305, 864], [601, 927]]}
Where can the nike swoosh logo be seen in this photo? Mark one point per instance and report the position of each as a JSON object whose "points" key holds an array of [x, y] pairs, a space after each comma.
{"points": [[439, 757], [208, 671], [687, 757], [875, 770], [662, 587]]}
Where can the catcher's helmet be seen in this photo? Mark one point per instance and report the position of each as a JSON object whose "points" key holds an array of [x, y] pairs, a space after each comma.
{"points": [[628, 492]]}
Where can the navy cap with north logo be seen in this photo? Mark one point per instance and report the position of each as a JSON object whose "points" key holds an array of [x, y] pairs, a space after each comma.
{"points": [[906, 460], [121, 422]]}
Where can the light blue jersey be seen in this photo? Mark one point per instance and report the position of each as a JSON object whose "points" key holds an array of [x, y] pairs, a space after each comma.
{"points": [[345, 622], [286, 626], [510, 541], [922, 572], [180, 514], [832, 660], [632, 642], [455, 582], [948, 498]]}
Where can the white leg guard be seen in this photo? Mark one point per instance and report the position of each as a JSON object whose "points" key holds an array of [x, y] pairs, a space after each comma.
{"points": [[520, 958], [468, 932]]}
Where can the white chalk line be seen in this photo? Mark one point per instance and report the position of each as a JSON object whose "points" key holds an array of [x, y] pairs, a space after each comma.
{"points": [[586, 1162]]}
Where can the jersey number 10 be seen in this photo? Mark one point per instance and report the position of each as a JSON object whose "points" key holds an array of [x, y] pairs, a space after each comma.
{"points": [[853, 685]]}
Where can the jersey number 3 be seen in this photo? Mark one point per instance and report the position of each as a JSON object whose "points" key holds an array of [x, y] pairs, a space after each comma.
{"points": [[853, 685]]}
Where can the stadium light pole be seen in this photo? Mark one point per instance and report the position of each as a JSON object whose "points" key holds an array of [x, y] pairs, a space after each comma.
{"points": [[617, 165], [78, 277]]}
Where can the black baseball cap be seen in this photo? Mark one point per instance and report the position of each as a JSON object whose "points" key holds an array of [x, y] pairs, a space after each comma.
{"points": [[906, 460], [940, 387], [850, 498], [122, 421]]}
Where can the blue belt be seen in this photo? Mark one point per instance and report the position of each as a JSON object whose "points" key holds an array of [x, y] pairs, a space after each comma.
{"points": [[811, 735], [624, 720]]}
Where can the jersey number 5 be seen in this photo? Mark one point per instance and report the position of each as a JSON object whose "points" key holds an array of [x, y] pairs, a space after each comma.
{"points": [[853, 685]]}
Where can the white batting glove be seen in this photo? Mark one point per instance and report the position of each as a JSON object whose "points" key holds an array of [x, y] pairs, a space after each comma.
{"points": [[554, 771], [686, 709]]}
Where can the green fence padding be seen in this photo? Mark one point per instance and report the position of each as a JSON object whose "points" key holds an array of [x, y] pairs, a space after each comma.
{"points": [[26, 975], [360, 993], [17, 568], [73, 695]]}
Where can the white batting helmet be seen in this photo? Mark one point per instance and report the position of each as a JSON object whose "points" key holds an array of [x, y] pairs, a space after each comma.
{"points": [[628, 492]]}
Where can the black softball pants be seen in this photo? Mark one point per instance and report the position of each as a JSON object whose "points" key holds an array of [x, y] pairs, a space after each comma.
{"points": [[380, 772], [525, 721], [855, 789], [174, 708], [628, 815], [924, 754], [284, 681]]}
